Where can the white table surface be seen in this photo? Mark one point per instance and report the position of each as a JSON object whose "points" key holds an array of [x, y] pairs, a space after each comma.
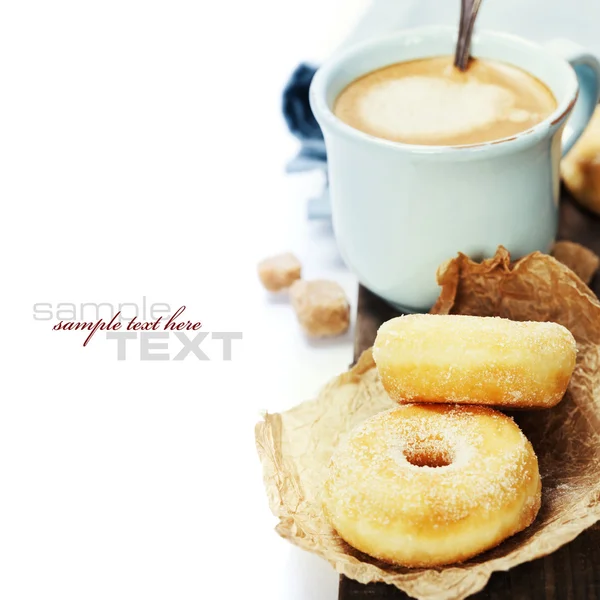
{"points": [[143, 154]]}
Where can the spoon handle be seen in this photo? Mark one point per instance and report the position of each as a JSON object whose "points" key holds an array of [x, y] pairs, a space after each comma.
{"points": [[468, 14]]}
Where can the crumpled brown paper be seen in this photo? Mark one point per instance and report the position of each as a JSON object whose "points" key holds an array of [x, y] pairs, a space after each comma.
{"points": [[295, 446]]}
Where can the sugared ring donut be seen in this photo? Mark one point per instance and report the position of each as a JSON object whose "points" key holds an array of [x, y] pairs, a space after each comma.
{"points": [[427, 485]]}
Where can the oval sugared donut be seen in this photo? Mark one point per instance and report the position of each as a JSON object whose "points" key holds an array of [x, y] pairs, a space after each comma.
{"points": [[474, 360], [426, 485]]}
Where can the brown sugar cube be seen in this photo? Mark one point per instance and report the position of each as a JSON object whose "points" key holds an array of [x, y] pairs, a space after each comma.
{"points": [[279, 272], [581, 260], [321, 307]]}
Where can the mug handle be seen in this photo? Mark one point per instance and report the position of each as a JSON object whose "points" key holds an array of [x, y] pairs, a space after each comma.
{"points": [[587, 69]]}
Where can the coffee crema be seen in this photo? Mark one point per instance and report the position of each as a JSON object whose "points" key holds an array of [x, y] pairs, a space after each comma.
{"points": [[430, 102]]}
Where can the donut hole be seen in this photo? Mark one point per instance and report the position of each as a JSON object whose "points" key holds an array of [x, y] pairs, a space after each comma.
{"points": [[433, 455]]}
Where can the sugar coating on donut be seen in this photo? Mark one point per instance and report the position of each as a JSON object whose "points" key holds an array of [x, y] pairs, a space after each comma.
{"points": [[422, 474], [388, 436], [474, 360]]}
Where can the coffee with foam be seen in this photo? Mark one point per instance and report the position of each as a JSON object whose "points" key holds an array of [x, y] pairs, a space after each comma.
{"points": [[430, 102]]}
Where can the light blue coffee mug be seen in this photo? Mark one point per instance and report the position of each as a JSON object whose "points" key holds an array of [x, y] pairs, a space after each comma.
{"points": [[400, 210]]}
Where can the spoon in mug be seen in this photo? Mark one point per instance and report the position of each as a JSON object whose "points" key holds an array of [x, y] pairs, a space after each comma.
{"points": [[468, 14]]}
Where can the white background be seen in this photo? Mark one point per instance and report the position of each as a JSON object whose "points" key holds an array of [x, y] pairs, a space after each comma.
{"points": [[142, 154]]}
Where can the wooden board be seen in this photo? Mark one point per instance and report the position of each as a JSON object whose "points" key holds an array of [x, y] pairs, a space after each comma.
{"points": [[573, 571]]}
